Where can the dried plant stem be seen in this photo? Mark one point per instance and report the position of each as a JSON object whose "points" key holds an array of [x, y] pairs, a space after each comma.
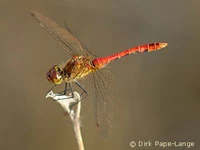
{"points": [[65, 102], [77, 129]]}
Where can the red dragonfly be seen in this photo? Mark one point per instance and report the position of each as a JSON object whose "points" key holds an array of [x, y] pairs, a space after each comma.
{"points": [[82, 63]]}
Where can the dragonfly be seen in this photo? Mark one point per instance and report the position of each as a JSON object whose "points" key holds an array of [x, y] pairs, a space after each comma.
{"points": [[83, 63]]}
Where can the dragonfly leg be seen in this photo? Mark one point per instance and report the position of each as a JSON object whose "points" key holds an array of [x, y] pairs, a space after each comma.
{"points": [[71, 91], [65, 90], [52, 88], [70, 87], [84, 91]]}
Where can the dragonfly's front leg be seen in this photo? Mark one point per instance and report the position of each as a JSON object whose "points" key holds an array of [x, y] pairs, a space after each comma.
{"points": [[65, 90], [51, 88]]}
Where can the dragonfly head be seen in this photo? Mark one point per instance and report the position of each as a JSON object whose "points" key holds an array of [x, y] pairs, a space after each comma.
{"points": [[55, 75]]}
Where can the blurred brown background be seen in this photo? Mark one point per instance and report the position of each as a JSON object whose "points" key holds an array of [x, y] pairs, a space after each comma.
{"points": [[157, 93]]}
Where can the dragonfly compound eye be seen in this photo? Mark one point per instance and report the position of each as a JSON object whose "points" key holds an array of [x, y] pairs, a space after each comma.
{"points": [[55, 75]]}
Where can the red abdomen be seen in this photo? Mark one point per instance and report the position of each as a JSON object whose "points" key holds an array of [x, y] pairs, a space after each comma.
{"points": [[100, 62]]}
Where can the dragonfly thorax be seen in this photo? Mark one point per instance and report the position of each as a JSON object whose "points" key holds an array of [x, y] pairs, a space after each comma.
{"points": [[77, 67]]}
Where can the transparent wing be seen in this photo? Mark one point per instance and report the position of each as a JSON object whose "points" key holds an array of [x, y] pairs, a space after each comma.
{"points": [[104, 102], [64, 36]]}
